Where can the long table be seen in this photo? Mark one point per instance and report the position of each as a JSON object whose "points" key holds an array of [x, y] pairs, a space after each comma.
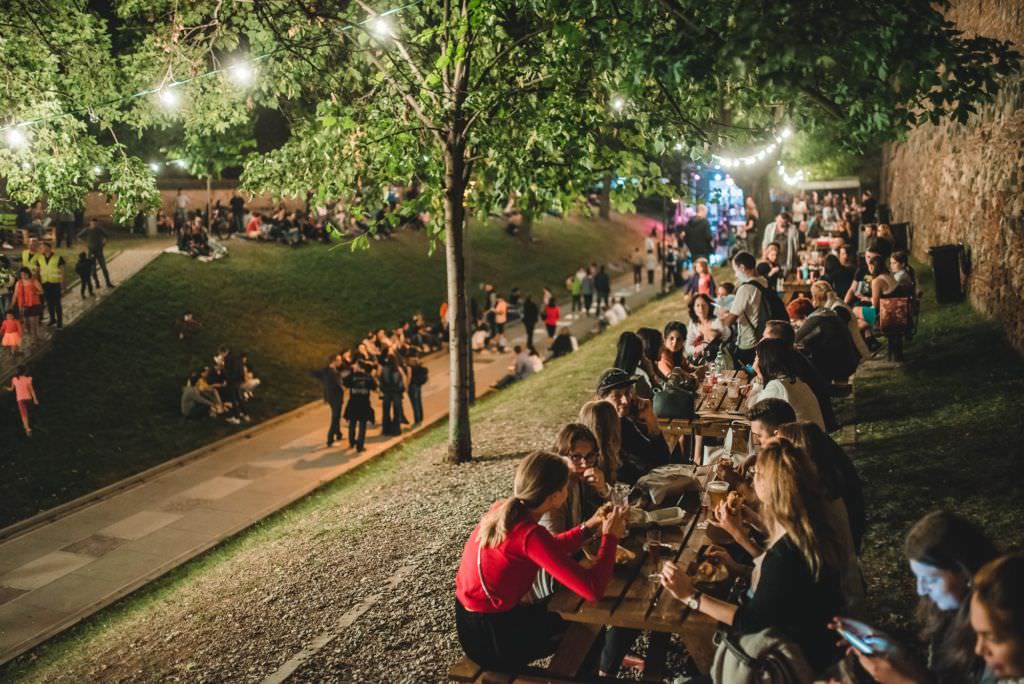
{"points": [[633, 601], [714, 414]]}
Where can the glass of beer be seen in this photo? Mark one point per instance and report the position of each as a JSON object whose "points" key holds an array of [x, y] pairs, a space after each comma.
{"points": [[717, 491]]}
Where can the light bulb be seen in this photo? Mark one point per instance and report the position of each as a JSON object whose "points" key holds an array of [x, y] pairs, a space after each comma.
{"points": [[97, 170], [381, 27], [154, 167], [786, 132], [618, 104], [16, 139], [241, 73], [169, 98]]}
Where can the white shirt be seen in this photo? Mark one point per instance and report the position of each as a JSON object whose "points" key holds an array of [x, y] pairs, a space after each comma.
{"points": [[479, 339], [693, 332], [797, 394], [615, 314], [745, 307], [181, 201], [799, 210]]}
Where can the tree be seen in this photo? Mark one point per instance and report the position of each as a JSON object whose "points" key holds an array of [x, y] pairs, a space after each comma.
{"points": [[475, 101]]}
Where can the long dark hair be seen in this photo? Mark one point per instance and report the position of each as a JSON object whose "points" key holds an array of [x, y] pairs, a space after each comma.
{"points": [[629, 352], [677, 358], [652, 342], [774, 359], [949, 542]]}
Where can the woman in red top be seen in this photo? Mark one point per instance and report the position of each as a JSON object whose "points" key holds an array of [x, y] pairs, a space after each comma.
{"points": [[28, 297], [551, 315], [501, 560]]}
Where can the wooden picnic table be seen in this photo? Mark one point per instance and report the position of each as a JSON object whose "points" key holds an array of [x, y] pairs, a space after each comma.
{"points": [[633, 601], [715, 413]]}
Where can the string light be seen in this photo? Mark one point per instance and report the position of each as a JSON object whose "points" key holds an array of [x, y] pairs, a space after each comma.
{"points": [[170, 99], [618, 104], [241, 73], [16, 139], [760, 155], [97, 170], [380, 26], [154, 167], [795, 179]]}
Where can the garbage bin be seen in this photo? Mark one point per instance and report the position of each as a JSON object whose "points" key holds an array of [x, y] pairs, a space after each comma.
{"points": [[946, 265]]}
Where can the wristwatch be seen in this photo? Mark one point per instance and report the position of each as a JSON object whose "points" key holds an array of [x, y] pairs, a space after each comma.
{"points": [[693, 601]]}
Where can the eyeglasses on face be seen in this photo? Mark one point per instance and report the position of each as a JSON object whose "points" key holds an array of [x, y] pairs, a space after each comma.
{"points": [[589, 458]]}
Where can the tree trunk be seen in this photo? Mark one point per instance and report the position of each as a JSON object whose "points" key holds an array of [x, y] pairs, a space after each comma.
{"points": [[527, 212], [459, 353], [605, 207], [209, 203]]}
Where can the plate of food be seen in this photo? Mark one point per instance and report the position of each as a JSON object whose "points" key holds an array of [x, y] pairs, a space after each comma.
{"points": [[708, 572]]}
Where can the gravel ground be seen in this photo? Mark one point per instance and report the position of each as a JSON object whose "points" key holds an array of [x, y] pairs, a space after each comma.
{"points": [[241, 619]]}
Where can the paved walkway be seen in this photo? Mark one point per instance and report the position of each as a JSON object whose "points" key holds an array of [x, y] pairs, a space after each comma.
{"points": [[122, 265], [59, 572]]}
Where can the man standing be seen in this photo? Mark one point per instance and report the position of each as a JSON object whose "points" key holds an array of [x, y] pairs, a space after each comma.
{"points": [[697, 234], [334, 393], [30, 255], [51, 275], [65, 226], [180, 210], [603, 288], [358, 411], [531, 314], [95, 239], [745, 309], [237, 211]]}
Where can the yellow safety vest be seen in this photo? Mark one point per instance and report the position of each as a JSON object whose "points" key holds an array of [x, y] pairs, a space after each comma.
{"points": [[49, 269], [28, 259]]}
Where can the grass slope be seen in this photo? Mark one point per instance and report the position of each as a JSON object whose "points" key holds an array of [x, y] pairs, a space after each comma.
{"points": [[199, 603], [942, 430], [109, 389]]}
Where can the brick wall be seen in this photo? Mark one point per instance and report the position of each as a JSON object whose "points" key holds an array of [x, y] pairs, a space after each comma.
{"points": [[965, 183]]}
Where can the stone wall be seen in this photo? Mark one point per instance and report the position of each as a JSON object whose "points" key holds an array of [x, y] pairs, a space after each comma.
{"points": [[965, 183]]}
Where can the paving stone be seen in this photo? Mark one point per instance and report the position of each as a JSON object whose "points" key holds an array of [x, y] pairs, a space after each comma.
{"points": [[9, 594], [96, 545], [249, 472], [44, 570], [181, 504], [140, 524], [215, 488]]}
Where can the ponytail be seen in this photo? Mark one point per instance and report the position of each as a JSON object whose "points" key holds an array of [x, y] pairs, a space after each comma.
{"points": [[496, 524], [538, 476]]}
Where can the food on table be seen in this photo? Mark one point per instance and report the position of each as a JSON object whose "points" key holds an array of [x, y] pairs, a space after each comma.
{"points": [[710, 572], [623, 555]]}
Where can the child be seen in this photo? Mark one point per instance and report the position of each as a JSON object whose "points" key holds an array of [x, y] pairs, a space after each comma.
{"points": [[85, 267], [10, 332], [21, 385]]}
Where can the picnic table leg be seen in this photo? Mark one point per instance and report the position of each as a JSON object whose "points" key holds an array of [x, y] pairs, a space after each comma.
{"points": [[574, 649]]}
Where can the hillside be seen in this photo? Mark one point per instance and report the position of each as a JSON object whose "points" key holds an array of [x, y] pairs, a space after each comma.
{"points": [[110, 387]]}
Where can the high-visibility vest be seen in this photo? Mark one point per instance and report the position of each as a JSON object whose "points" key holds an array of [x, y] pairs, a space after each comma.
{"points": [[49, 269], [29, 259]]}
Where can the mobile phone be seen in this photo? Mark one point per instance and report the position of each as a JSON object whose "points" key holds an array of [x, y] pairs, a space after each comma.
{"points": [[860, 644]]}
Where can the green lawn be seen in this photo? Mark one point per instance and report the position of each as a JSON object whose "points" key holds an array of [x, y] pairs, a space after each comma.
{"points": [[941, 430], [109, 389]]}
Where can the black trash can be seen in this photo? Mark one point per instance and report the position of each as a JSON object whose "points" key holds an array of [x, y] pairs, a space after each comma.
{"points": [[946, 264]]}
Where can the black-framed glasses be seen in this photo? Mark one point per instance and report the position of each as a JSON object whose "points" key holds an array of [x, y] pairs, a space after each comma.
{"points": [[589, 458]]}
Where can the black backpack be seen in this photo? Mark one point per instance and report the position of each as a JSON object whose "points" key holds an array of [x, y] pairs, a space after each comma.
{"points": [[771, 307]]}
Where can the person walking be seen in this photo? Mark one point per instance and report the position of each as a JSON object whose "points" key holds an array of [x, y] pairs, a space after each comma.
{"points": [[587, 290], [86, 270], [637, 261], [10, 334], [334, 395], [358, 411], [697, 235], [237, 212], [24, 392], [530, 315], [575, 289], [603, 289], [650, 263], [51, 274], [28, 298], [95, 240], [551, 315], [418, 376]]}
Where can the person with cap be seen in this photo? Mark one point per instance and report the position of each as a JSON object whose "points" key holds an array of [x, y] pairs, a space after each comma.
{"points": [[643, 445]]}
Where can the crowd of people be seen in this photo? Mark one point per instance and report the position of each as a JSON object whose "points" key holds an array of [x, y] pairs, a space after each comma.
{"points": [[796, 538], [798, 535], [388, 363]]}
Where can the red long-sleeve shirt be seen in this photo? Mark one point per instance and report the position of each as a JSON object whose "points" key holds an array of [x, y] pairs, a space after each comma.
{"points": [[510, 568]]}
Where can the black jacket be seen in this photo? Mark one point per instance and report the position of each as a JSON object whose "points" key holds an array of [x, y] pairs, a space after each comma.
{"points": [[825, 338], [640, 453], [333, 389], [531, 314], [698, 236]]}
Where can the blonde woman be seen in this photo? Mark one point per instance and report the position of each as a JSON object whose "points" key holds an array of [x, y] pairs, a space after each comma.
{"points": [[822, 295], [798, 586], [501, 559], [604, 422]]}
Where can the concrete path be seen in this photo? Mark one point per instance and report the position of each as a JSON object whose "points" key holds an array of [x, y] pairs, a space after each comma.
{"points": [[121, 265], [60, 568]]}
